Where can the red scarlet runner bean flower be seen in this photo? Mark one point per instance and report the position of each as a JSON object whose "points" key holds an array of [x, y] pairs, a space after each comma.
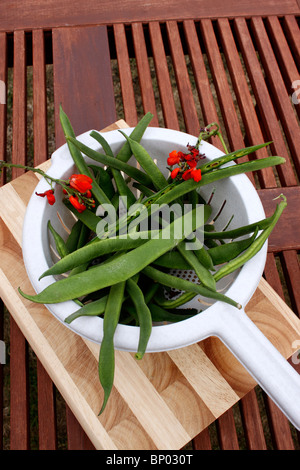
{"points": [[80, 183], [187, 163], [49, 194], [192, 173], [77, 204]]}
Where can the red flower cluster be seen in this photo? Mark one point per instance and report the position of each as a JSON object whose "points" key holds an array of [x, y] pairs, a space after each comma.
{"points": [[78, 188], [187, 163]]}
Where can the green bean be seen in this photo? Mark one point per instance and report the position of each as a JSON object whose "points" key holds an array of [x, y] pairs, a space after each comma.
{"points": [[219, 161], [174, 303], [104, 180], [119, 269], [78, 159], [228, 251], [123, 189], [144, 316], [161, 315], [83, 237], [92, 309], [125, 153], [204, 275], [172, 260], [135, 173], [146, 162], [106, 364], [89, 252], [72, 240], [200, 252], [60, 244], [103, 142], [254, 248], [187, 286], [151, 291], [144, 189], [240, 231]]}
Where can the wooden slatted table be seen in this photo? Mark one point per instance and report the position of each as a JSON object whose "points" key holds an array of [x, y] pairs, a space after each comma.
{"points": [[189, 65]]}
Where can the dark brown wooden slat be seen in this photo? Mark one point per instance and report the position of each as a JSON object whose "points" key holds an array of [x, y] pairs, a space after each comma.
{"points": [[253, 429], [279, 426], [142, 62], [269, 121], [3, 92], [207, 103], [202, 441], [183, 80], [77, 438], [279, 93], [39, 98], [46, 410], [292, 32], [129, 104], [75, 12], [288, 223], [19, 103], [252, 129], [283, 54], [228, 110], [19, 396], [82, 79], [163, 77], [227, 432], [291, 269], [271, 274]]}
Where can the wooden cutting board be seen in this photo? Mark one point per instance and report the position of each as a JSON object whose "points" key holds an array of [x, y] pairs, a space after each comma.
{"points": [[161, 402]]}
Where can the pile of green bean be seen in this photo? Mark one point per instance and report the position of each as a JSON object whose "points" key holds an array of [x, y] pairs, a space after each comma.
{"points": [[123, 278]]}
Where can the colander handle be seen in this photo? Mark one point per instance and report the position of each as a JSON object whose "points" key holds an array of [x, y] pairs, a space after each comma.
{"points": [[262, 360]]}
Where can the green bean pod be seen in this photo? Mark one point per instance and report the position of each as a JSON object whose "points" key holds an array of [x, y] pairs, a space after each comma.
{"points": [[187, 286], [87, 253], [73, 238], [174, 303], [240, 231], [204, 275], [161, 315], [172, 260], [219, 161], [103, 142], [137, 133], [60, 244], [254, 248], [146, 162], [144, 316], [92, 309], [112, 162], [106, 365], [104, 180], [123, 189], [228, 251]]}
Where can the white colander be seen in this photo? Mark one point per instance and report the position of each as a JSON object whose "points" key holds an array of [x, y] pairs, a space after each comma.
{"points": [[231, 325]]}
